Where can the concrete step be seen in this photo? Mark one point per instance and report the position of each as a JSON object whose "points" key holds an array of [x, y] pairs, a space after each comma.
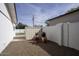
{"points": [[19, 40], [19, 37], [20, 33]]}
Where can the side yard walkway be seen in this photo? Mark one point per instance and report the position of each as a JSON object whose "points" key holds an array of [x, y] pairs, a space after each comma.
{"points": [[26, 48], [21, 47]]}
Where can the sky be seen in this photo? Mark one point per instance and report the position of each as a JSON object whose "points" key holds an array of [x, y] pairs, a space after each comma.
{"points": [[41, 11]]}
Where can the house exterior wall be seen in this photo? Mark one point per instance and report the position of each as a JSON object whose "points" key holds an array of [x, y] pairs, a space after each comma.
{"points": [[6, 28], [4, 10], [73, 17], [12, 11]]}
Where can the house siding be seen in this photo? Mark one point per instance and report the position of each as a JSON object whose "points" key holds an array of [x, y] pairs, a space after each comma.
{"points": [[6, 28], [73, 17]]}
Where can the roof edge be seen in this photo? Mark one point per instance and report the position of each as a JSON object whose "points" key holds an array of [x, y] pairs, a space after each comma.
{"points": [[62, 15]]}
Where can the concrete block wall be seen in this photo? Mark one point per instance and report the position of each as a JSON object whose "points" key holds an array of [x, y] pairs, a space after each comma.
{"points": [[30, 32]]}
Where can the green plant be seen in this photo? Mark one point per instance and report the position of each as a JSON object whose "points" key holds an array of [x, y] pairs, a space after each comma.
{"points": [[20, 26]]}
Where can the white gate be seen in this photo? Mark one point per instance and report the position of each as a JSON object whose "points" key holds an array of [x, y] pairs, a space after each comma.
{"points": [[71, 35], [74, 35]]}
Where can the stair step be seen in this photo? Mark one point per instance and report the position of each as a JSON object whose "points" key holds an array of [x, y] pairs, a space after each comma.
{"points": [[20, 33], [19, 37]]}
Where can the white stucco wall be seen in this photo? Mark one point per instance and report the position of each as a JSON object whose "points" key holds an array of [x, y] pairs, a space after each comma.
{"points": [[6, 29], [54, 33]]}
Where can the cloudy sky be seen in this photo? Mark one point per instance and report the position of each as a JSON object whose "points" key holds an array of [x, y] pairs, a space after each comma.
{"points": [[41, 11]]}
